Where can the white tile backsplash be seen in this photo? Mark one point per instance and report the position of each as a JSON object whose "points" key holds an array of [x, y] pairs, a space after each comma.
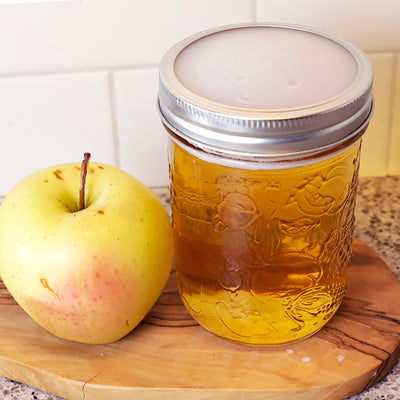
{"points": [[48, 120], [371, 24], [2, 2], [143, 140], [93, 34], [81, 76], [375, 151], [394, 140]]}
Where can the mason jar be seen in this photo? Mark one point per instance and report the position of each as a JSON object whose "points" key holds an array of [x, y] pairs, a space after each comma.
{"points": [[265, 124]]}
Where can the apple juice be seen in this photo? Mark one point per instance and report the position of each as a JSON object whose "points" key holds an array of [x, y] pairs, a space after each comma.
{"points": [[262, 256]]}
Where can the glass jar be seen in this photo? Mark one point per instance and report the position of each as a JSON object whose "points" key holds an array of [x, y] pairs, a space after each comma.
{"points": [[265, 124]]}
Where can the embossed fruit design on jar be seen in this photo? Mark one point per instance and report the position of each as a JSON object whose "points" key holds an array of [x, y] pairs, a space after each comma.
{"points": [[265, 124]]}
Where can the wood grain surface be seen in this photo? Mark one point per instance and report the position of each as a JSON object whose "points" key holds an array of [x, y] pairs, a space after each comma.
{"points": [[168, 356]]}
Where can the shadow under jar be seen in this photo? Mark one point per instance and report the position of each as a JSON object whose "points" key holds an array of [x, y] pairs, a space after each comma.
{"points": [[265, 124]]}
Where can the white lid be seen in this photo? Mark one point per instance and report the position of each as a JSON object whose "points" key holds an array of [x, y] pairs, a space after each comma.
{"points": [[265, 89]]}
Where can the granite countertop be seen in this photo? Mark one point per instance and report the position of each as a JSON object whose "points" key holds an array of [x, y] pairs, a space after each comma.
{"points": [[377, 225]]}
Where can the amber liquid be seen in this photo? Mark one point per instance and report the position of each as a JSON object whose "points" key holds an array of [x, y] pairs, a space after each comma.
{"points": [[262, 256]]}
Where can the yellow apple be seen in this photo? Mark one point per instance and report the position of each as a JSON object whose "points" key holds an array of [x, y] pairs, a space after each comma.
{"points": [[87, 275]]}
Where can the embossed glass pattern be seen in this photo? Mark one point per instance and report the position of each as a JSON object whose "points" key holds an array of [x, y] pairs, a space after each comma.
{"points": [[262, 256]]}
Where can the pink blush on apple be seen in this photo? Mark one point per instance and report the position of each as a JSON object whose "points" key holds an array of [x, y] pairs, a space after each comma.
{"points": [[87, 303]]}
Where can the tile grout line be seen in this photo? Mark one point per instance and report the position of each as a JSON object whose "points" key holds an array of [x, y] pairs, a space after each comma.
{"points": [[114, 120], [253, 6], [76, 71]]}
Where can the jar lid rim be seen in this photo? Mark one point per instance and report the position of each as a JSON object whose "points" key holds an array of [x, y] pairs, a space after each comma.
{"points": [[265, 131]]}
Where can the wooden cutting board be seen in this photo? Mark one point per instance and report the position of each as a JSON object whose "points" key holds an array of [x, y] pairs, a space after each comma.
{"points": [[170, 357]]}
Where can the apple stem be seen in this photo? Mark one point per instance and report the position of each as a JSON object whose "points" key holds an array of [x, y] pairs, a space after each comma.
{"points": [[84, 167]]}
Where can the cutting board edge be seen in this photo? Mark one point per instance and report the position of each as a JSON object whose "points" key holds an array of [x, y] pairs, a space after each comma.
{"points": [[88, 390]]}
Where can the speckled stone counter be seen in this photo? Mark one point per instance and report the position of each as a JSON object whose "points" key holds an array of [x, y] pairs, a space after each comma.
{"points": [[377, 225]]}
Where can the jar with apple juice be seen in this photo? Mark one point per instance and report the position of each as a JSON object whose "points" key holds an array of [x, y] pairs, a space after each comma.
{"points": [[264, 150]]}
